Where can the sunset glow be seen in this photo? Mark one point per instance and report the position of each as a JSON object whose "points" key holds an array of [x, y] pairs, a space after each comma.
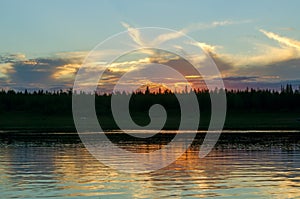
{"points": [[261, 50]]}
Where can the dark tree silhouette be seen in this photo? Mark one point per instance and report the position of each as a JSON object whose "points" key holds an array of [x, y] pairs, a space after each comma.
{"points": [[60, 102]]}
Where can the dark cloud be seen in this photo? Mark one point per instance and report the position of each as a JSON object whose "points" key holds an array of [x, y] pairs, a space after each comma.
{"points": [[276, 85], [283, 70], [222, 65], [289, 69], [240, 78], [26, 73], [34, 73]]}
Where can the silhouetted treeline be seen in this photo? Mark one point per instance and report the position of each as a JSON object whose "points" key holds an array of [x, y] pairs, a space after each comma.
{"points": [[42, 102], [60, 102]]}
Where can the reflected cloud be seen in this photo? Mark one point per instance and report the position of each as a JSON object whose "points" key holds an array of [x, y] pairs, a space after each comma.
{"points": [[69, 170]]}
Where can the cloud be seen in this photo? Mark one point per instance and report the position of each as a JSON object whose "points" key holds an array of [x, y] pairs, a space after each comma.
{"points": [[66, 71], [6, 64], [206, 47], [270, 65], [10, 58], [5, 69], [16, 71], [134, 34], [214, 24], [282, 40], [169, 36], [221, 23], [240, 78], [273, 85], [285, 70], [266, 54]]}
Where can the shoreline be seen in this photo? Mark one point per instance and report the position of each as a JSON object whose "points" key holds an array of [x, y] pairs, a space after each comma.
{"points": [[288, 140], [69, 129], [135, 131], [235, 121]]}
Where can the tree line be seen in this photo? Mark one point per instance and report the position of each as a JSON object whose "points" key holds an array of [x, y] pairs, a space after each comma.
{"points": [[60, 102]]}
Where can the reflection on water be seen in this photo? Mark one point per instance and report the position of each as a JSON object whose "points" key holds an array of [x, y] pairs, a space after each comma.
{"points": [[29, 170]]}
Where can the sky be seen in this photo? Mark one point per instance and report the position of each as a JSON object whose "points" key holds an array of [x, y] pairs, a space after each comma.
{"points": [[253, 43]]}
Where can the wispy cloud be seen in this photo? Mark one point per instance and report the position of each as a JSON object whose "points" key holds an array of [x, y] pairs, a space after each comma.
{"points": [[134, 34], [214, 24], [282, 40], [266, 54], [169, 36], [207, 47]]}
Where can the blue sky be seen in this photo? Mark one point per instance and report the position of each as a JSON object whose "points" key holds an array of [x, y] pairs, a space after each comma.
{"points": [[259, 35]]}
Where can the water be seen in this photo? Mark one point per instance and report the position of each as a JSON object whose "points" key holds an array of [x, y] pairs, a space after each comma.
{"points": [[234, 169]]}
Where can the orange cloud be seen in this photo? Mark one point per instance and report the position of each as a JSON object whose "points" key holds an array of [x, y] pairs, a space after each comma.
{"points": [[66, 71], [6, 68]]}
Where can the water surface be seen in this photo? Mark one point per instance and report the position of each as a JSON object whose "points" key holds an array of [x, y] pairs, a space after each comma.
{"points": [[262, 167]]}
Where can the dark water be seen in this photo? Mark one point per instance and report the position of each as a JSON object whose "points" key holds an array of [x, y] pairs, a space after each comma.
{"points": [[240, 166]]}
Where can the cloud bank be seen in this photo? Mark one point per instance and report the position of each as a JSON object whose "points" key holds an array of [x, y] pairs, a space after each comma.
{"points": [[270, 67]]}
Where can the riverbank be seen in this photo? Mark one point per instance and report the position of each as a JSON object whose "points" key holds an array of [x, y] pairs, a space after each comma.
{"points": [[18, 121]]}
